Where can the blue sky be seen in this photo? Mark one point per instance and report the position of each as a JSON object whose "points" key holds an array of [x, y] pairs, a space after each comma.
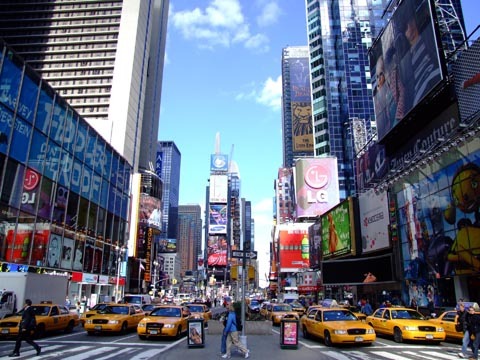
{"points": [[222, 75]]}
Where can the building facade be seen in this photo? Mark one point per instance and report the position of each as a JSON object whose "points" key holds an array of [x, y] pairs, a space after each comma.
{"points": [[189, 236], [167, 166]]}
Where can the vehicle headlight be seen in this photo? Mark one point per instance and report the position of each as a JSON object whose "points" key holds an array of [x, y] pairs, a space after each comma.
{"points": [[114, 322], [411, 328], [370, 331], [142, 325], [169, 326], [440, 329], [340, 332]]}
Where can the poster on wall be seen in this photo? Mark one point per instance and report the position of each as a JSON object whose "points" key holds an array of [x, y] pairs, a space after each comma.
{"points": [[67, 253], [374, 220], [54, 251], [292, 255], [439, 219], [217, 250]]}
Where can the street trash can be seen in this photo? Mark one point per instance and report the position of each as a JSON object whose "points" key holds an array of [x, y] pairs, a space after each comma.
{"points": [[289, 333], [196, 333]]}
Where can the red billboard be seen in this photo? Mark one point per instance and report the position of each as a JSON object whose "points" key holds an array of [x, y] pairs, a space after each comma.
{"points": [[316, 186], [217, 248], [294, 247]]}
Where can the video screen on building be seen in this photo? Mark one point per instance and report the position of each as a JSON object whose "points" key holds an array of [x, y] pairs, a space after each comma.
{"points": [[405, 64]]}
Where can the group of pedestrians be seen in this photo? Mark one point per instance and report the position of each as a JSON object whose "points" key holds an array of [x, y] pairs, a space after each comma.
{"points": [[469, 322]]}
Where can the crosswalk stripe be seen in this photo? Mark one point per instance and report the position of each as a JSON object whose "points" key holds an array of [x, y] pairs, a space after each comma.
{"points": [[336, 355], [145, 354], [388, 355], [439, 355], [92, 354], [121, 351]]}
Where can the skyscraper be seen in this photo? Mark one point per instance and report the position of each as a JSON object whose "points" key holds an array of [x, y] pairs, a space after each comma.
{"points": [[339, 35], [189, 241], [96, 55], [168, 168], [297, 135]]}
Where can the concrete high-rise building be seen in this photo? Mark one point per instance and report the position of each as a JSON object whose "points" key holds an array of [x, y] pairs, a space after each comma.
{"points": [[297, 134], [104, 57], [168, 168], [189, 239]]}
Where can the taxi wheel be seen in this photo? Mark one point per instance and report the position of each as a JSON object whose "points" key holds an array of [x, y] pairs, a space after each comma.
{"points": [[327, 339], [305, 332], [397, 335], [69, 327], [124, 328], [142, 337], [179, 333]]}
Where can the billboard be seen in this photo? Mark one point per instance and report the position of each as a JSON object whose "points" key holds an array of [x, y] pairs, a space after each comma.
{"points": [[150, 212], [167, 245], [301, 108], [358, 271], [217, 218], [219, 162], [315, 252], [405, 63], [316, 186], [374, 220], [371, 166], [293, 247], [218, 189], [217, 247], [338, 230]]}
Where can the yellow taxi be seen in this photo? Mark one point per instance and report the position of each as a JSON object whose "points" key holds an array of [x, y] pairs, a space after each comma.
{"points": [[94, 310], [200, 311], [447, 320], [264, 308], [298, 308], [405, 324], [49, 317], [165, 320], [114, 318], [336, 325], [276, 312]]}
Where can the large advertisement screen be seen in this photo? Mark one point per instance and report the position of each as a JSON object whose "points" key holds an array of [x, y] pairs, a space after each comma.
{"points": [[218, 189], [302, 131], [358, 271], [316, 184], [338, 231], [217, 219], [374, 220], [150, 212], [371, 166], [294, 247], [217, 247], [405, 63]]}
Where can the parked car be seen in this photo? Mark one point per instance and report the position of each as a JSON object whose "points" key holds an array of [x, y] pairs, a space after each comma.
{"points": [[114, 318], [165, 320], [50, 317], [405, 324], [336, 326], [254, 307]]}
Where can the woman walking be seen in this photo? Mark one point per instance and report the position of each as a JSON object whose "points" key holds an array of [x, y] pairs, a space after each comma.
{"points": [[231, 331]]}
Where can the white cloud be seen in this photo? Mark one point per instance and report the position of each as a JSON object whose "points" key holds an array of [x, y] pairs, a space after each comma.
{"points": [[271, 94], [269, 15], [220, 23]]}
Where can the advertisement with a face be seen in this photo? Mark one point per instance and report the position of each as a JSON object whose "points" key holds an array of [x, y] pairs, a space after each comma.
{"points": [[374, 220], [316, 184], [293, 257], [338, 230], [371, 166], [150, 211], [405, 63], [217, 247], [67, 253]]}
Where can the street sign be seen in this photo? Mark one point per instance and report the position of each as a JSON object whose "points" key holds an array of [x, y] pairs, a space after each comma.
{"points": [[252, 255]]}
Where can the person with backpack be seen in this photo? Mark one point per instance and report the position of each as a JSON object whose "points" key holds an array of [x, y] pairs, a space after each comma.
{"points": [[231, 331], [26, 329]]}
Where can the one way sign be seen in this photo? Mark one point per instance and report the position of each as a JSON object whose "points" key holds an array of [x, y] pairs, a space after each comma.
{"points": [[252, 255]]}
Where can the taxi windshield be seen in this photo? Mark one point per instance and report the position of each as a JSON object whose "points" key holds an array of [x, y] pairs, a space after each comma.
{"points": [[122, 310], [166, 312], [338, 315]]}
